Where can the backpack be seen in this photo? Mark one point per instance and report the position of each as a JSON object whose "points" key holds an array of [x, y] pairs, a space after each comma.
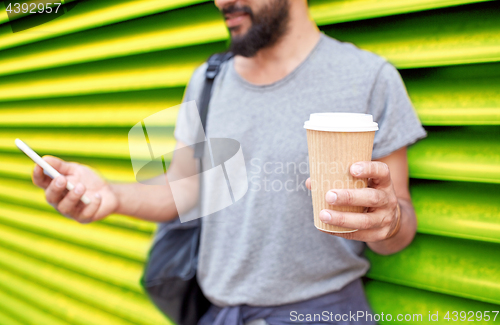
{"points": [[169, 276]]}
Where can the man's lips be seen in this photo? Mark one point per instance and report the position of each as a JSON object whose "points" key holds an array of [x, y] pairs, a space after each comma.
{"points": [[235, 19]]}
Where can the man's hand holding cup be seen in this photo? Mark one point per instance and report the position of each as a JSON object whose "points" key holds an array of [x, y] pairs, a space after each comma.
{"points": [[381, 219]]}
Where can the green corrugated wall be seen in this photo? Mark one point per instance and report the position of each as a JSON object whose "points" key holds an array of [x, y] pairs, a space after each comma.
{"points": [[74, 86]]}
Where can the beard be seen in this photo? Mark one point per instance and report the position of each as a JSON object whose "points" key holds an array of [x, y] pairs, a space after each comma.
{"points": [[268, 26]]}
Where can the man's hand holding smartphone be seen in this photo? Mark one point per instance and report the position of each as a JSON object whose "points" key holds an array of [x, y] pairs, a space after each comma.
{"points": [[103, 200], [77, 192]]}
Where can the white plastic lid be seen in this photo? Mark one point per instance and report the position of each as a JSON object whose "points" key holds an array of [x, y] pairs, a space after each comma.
{"points": [[341, 122]]}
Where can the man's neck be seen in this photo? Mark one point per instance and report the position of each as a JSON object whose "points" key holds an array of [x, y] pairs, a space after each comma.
{"points": [[276, 62]]}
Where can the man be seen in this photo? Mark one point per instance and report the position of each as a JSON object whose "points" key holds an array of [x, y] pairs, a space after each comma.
{"points": [[261, 259]]}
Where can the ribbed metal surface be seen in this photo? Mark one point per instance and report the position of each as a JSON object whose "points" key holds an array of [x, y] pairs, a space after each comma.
{"points": [[402, 300], [73, 87], [459, 267]]}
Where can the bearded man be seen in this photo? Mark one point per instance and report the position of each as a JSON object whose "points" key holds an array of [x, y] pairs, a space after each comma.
{"points": [[261, 259]]}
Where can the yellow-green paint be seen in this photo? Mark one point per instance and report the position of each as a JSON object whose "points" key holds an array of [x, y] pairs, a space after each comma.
{"points": [[457, 209], [459, 267], [396, 299], [95, 264], [130, 305], [73, 87]]}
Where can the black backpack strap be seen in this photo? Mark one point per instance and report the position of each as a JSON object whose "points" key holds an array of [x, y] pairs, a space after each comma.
{"points": [[214, 64]]}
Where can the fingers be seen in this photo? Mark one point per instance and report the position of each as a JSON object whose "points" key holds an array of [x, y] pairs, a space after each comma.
{"points": [[347, 219], [56, 189], [353, 220], [39, 178], [376, 170], [362, 235], [365, 197], [90, 210], [72, 206], [60, 165], [68, 204]]}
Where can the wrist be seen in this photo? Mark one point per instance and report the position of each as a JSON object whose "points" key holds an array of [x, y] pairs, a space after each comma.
{"points": [[118, 194], [401, 237], [398, 221]]}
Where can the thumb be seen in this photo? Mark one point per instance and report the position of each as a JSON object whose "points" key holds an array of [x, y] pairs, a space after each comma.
{"points": [[60, 165]]}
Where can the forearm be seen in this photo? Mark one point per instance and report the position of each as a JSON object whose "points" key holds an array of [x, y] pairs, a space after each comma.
{"points": [[148, 202], [405, 235]]}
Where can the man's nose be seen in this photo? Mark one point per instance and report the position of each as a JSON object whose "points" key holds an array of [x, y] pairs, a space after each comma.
{"points": [[223, 3]]}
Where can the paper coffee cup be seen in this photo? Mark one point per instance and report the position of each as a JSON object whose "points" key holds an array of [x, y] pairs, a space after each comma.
{"points": [[336, 141]]}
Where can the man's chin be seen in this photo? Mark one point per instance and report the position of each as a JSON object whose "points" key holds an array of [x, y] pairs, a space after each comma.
{"points": [[237, 37], [235, 31]]}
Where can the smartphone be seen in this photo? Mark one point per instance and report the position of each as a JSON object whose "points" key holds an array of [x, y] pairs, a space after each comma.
{"points": [[47, 168]]}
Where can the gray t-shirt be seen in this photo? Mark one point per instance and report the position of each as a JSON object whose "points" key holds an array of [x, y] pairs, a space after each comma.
{"points": [[264, 250]]}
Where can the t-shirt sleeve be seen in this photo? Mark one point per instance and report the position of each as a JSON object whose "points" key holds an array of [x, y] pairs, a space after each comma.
{"points": [[392, 109], [188, 119]]}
